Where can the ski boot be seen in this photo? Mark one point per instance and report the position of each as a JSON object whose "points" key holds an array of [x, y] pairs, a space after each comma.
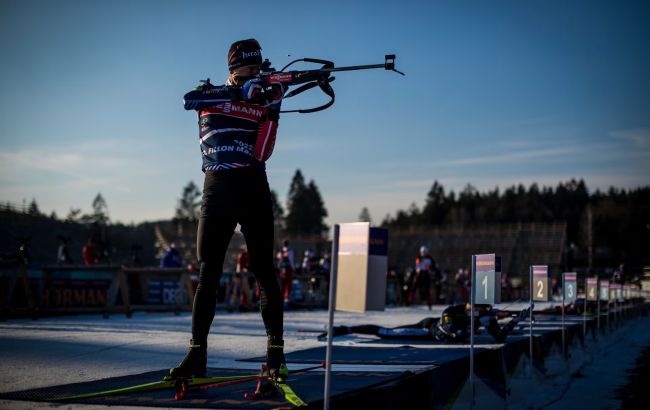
{"points": [[515, 320], [275, 369], [276, 364], [194, 363]]}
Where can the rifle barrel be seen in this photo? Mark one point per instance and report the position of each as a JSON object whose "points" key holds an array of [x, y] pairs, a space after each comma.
{"points": [[354, 67]]}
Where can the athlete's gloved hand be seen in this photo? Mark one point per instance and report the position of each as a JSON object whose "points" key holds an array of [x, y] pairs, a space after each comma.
{"points": [[253, 91], [274, 94], [522, 315]]}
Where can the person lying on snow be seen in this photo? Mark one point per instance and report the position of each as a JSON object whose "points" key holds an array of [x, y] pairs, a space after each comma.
{"points": [[452, 326]]}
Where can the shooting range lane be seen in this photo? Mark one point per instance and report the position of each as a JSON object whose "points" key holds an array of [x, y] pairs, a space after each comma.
{"points": [[372, 373], [308, 385]]}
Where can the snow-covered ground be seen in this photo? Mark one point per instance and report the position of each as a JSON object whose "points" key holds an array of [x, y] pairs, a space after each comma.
{"points": [[594, 386], [65, 350]]}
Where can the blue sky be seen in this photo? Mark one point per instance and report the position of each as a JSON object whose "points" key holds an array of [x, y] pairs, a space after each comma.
{"points": [[495, 94]]}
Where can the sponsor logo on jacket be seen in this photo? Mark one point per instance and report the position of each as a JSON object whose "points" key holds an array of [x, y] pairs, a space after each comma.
{"points": [[238, 108]]}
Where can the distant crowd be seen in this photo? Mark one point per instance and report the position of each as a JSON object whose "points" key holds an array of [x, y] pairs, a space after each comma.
{"points": [[304, 279], [426, 283]]}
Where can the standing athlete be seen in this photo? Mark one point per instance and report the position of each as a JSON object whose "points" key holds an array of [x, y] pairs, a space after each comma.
{"points": [[424, 267], [237, 123]]}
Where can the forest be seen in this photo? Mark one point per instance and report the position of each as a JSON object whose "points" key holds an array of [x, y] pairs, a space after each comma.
{"points": [[612, 225], [602, 227]]}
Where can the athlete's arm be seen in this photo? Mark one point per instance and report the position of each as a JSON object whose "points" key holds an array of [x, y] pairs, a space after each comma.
{"points": [[208, 95]]}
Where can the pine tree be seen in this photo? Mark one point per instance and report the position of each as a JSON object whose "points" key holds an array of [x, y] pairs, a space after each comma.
{"points": [[436, 206], [188, 208], [295, 206], [318, 213], [305, 208], [296, 188], [100, 210], [73, 215], [364, 216], [33, 209]]}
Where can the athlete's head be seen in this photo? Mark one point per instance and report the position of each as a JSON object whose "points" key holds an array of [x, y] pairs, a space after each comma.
{"points": [[244, 60], [424, 250], [453, 324], [447, 329]]}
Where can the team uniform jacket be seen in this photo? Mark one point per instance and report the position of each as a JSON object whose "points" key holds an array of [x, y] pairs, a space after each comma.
{"points": [[424, 263], [232, 133]]}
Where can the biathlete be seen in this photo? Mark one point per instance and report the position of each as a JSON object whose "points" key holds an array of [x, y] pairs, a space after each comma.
{"points": [[452, 326], [237, 128]]}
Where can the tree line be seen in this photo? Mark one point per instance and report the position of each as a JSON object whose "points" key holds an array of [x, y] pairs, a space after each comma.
{"points": [[614, 224], [98, 215], [305, 208]]}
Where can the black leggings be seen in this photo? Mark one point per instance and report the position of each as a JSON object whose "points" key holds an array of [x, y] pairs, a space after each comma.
{"points": [[230, 197], [394, 332]]}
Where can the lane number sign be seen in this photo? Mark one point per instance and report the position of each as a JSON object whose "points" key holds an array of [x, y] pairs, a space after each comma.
{"points": [[485, 291], [570, 287], [540, 283], [604, 291], [592, 289]]}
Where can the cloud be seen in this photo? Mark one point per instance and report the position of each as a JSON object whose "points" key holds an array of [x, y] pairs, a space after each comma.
{"points": [[639, 137], [510, 152], [511, 156], [77, 170], [520, 143], [93, 165]]}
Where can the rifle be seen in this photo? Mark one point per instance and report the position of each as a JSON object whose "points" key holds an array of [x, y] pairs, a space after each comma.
{"points": [[307, 79], [321, 77]]}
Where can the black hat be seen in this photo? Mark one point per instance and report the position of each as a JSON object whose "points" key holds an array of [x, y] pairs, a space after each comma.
{"points": [[243, 53]]}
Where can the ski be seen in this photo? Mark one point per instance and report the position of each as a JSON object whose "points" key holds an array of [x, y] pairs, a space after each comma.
{"points": [[183, 388], [268, 387], [289, 394], [159, 385]]}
